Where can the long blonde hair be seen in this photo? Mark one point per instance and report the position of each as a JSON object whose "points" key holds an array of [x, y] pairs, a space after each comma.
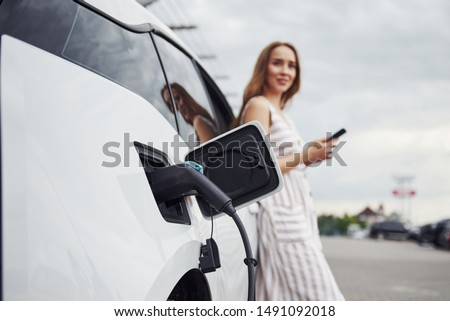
{"points": [[257, 84]]}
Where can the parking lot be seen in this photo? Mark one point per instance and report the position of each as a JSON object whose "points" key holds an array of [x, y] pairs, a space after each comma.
{"points": [[388, 270]]}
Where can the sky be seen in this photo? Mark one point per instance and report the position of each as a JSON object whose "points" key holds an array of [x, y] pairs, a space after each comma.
{"points": [[377, 68]]}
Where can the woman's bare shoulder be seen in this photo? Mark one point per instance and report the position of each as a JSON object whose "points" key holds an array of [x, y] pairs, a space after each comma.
{"points": [[258, 109], [258, 103]]}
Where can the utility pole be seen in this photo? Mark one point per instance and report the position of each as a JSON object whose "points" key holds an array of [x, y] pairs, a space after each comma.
{"points": [[404, 193]]}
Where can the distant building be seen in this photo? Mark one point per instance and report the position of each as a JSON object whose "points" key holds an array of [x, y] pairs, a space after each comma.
{"points": [[370, 216]]}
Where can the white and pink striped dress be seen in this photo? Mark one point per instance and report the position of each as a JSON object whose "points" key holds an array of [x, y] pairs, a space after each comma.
{"points": [[291, 262]]}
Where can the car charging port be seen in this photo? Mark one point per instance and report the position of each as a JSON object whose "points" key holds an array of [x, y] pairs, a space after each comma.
{"points": [[172, 210]]}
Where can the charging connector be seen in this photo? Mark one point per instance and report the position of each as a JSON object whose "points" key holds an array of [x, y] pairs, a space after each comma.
{"points": [[209, 256], [169, 183]]}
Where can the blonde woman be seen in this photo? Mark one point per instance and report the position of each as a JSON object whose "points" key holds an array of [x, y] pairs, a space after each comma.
{"points": [[291, 263]]}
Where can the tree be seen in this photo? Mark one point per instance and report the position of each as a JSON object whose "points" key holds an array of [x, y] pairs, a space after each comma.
{"points": [[333, 225]]}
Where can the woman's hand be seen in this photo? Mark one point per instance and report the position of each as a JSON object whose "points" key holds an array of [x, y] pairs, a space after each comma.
{"points": [[319, 150]]}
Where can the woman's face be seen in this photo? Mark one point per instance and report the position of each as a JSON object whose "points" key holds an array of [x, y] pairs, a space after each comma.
{"points": [[281, 70], [182, 106], [167, 100]]}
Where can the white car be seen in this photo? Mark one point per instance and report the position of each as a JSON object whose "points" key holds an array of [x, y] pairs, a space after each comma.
{"points": [[83, 107]]}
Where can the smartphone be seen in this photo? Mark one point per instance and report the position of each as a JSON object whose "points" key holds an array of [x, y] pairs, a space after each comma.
{"points": [[337, 134]]}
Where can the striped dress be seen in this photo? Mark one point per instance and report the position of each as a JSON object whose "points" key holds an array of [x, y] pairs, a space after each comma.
{"points": [[291, 262]]}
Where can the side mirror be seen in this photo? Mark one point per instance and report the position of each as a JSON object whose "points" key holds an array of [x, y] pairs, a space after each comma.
{"points": [[240, 162]]}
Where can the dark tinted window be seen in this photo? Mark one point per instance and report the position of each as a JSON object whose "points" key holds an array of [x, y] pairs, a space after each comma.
{"points": [[224, 114], [44, 24], [196, 119]]}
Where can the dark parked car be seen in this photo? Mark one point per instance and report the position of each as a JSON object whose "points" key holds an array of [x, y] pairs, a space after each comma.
{"points": [[413, 233], [388, 230], [435, 234], [444, 237]]}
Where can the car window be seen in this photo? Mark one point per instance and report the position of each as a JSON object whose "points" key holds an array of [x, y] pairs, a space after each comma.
{"points": [[29, 21], [123, 56], [196, 119], [92, 41], [223, 111]]}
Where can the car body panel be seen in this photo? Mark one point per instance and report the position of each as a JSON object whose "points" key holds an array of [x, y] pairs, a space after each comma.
{"points": [[74, 227], [66, 168]]}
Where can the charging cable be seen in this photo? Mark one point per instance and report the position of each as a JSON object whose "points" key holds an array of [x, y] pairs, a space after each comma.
{"points": [[170, 183]]}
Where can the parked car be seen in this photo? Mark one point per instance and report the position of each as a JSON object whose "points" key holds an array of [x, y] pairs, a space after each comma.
{"points": [[356, 232], [435, 233], [426, 234], [388, 230], [413, 233], [91, 108], [444, 237]]}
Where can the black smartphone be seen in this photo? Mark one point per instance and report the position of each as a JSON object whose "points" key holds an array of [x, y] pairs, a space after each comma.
{"points": [[337, 134]]}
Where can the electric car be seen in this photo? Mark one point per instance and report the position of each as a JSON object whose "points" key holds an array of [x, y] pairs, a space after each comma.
{"points": [[95, 96]]}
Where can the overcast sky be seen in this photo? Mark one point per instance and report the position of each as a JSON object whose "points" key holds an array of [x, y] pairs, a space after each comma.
{"points": [[378, 68]]}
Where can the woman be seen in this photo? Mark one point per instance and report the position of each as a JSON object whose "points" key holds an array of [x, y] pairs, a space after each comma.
{"points": [[291, 263], [194, 114]]}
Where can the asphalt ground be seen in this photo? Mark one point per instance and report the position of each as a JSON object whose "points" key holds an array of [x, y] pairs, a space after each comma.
{"points": [[383, 270]]}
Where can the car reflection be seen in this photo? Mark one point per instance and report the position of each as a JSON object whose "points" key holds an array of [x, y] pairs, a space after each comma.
{"points": [[191, 111]]}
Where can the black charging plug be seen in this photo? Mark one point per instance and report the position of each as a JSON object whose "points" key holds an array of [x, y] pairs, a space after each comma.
{"points": [[209, 256], [175, 181]]}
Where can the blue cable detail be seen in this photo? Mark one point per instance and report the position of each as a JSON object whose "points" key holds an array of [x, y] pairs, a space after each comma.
{"points": [[194, 165]]}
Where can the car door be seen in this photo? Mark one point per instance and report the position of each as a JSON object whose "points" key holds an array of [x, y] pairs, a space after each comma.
{"points": [[199, 104], [78, 91]]}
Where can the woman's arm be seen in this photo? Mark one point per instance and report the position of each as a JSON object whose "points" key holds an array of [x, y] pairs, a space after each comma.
{"points": [[203, 129], [258, 109], [317, 151]]}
